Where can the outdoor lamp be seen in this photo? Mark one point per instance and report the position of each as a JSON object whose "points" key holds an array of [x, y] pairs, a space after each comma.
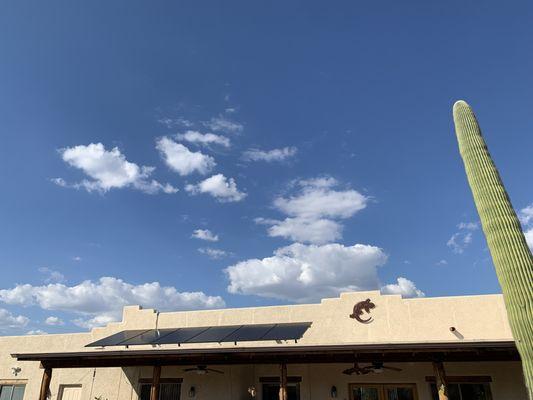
{"points": [[192, 392], [333, 392]]}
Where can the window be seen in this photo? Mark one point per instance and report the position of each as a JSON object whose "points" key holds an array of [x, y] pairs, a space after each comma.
{"points": [[167, 391], [11, 392], [382, 392], [465, 391]]}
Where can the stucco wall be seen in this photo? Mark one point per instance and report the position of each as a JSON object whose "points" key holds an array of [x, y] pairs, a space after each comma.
{"points": [[396, 320]]}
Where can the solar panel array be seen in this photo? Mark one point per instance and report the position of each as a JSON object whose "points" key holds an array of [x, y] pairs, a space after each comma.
{"points": [[209, 334]]}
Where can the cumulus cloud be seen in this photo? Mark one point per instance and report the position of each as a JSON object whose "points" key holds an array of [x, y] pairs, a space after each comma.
{"points": [[34, 332], [270, 155], [303, 273], [205, 234], [9, 321], [183, 161], [203, 138], [218, 186], [98, 302], [54, 321], [223, 124], [109, 169], [461, 239], [314, 211], [52, 276], [526, 217], [214, 254], [403, 287]]}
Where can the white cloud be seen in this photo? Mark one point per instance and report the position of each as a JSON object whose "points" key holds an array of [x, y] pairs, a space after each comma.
{"points": [[51, 275], [205, 234], [54, 321], [100, 301], [460, 240], [441, 262], [526, 215], [34, 332], [317, 231], [76, 258], [9, 321], [108, 169], [204, 138], [183, 161], [214, 254], [314, 210], [404, 287], [529, 238], [218, 186], [171, 123], [223, 124], [303, 273], [270, 155]]}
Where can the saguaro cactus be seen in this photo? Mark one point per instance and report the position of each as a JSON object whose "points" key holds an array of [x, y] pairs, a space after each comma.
{"points": [[511, 256]]}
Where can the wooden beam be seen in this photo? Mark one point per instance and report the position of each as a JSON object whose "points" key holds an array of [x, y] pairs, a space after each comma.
{"points": [[154, 390], [45, 383], [441, 380], [283, 382]]}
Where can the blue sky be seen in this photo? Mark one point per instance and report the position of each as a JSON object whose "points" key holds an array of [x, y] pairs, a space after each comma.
{"points": [[309, 148]]}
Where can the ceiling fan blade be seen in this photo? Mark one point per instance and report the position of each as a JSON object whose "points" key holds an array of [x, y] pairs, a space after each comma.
{"points": [[215, 370], [349, 371], [190, 369], [392, 368]]}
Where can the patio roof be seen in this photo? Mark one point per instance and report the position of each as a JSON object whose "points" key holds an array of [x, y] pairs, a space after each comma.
{"points": [[291, 354]]}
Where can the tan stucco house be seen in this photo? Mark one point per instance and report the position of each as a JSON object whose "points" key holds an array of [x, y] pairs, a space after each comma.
{"points": [[360, 346]]}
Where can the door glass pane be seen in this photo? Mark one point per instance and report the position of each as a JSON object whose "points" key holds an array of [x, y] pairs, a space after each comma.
{"points": [[400, 393], [18, 392], [271, 391], [5, 392], [365, 393], [472, 391]]}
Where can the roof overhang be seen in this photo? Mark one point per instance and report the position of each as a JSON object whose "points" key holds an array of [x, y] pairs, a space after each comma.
{"points": [[294, 354]]}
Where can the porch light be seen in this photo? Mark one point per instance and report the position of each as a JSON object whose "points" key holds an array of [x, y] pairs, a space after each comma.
{"points": [[333, 392], [192, 392]]}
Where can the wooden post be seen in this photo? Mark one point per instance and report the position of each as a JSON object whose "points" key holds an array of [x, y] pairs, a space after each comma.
{"points": [[441, 380], [45, 383], [283, 382], [154, 390]]}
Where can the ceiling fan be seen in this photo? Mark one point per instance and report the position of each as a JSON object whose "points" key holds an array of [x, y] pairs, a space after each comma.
{"points": [[375, 367], [202, 370]]}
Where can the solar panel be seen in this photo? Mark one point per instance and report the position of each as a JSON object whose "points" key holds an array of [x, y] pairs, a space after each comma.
{"points": [[247, 333], [287, 331], [181, 335], [147, 337], [234, 333], [117, 338], [214, 334]]}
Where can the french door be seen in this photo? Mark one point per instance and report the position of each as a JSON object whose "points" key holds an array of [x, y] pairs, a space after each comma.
{"points": [[363, 391]]}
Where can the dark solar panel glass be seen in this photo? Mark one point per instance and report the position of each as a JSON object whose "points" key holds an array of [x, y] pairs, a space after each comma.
{"points": [[148, 337], [247, 333], [180, 336], [117, 338], [214, 334], [287, 331]]}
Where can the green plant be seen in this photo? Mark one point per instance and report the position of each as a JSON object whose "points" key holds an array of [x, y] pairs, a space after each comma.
{"points": [[511, 256]]}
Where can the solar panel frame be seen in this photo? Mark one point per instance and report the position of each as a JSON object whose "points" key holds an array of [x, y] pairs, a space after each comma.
{"points": [[206, 334]]}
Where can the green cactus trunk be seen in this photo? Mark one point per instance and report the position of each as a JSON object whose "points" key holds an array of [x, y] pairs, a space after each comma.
{"points": [[511, 255]]}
